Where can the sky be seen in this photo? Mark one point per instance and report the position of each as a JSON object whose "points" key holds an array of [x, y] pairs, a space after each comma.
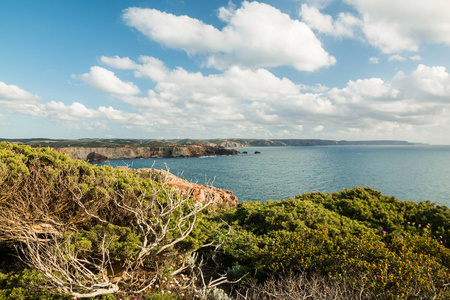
{"points": [[325, 69]]}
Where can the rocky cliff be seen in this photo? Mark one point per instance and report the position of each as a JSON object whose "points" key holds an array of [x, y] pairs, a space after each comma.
{"points": [[144, 152], [199, 192]]}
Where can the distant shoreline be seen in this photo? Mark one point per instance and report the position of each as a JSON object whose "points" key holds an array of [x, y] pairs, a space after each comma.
{"points": [[227, 143], [100, 154]]}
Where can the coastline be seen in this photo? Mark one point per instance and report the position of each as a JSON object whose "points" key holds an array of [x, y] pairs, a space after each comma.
{"points": [[99, 154]]}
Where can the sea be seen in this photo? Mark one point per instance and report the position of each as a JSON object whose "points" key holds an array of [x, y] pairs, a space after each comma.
{"points": [[414, 173]]}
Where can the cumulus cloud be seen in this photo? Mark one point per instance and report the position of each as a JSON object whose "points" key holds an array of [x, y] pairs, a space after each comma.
{"points": [[131, 120], [432, 80], [219, 89], [395, 26], [389, 25], [255, 35], [373, 88], [117, 62], [13, 99], [73, 112], [262, 103], [235, 98], [404, 103], [106, 81], [14, 93], [343, 26], [16, 100]]}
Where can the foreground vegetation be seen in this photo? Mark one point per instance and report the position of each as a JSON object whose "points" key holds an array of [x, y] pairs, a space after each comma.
{"points": [[69, 229]]}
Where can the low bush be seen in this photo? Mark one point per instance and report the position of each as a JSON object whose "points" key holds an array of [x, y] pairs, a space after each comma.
{"points": [[358, 236], [92, 231]]}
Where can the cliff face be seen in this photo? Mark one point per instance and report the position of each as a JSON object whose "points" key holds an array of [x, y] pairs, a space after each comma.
{"points": [[146, 152], [199, 192], [233, 144]]}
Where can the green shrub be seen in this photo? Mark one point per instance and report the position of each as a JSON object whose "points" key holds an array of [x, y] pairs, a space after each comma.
{"points": [[358, 235], [103, 224]]}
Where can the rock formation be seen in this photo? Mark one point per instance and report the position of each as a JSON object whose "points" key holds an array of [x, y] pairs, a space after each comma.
{"points": [[147, 152], [96, 157], [199, 192]]}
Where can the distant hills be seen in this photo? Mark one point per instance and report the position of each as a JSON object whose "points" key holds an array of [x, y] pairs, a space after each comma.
{"points": [[58, 143]]}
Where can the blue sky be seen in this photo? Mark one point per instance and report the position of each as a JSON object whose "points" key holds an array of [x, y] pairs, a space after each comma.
{"points": [[327, 69]]}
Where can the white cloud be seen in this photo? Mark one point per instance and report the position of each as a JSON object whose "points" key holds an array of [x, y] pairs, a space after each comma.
{"points": [[392, 26], [395, 25], [415, 57], [344, 26], [260, 104], [432, 80], [106, 81], [396, 57], [394, 107], [256, 35], [151, 67], [320, 4], [70, 115], [316, 20], [263, 103], [99, 125], [117, 62], [374, 60], [112, 114], [318, 128], [244, 97], [14, 93], [74, 112], [16, 100], [94, 126], [218, 89], [129, 119], [179, 32], [318, 88], [373, 87]]}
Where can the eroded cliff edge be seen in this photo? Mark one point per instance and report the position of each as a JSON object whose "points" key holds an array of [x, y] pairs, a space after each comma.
{"points": [[97, 154], [200, 193]]}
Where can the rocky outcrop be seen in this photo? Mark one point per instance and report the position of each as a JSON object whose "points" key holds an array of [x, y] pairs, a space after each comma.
{"points": [[96, 157], [147, 152], [199, 192]]}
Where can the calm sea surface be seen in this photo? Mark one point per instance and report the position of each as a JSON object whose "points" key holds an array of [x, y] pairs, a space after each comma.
{"points": [[406, 172]]}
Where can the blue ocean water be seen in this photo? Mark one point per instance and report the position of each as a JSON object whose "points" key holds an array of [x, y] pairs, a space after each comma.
{"points": [[407, 172]]}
